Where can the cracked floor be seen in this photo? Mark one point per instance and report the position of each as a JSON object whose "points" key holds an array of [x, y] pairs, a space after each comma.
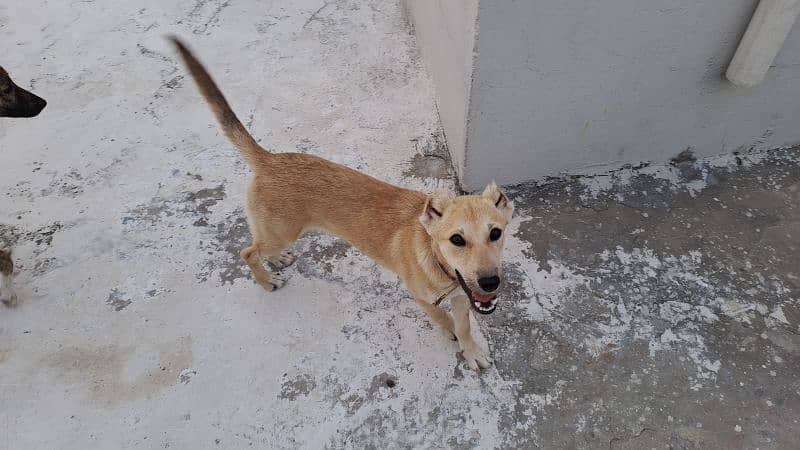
{"points": [[648, 308]]}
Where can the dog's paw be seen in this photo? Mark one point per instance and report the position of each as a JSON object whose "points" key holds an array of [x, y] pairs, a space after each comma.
{"points": [[276, 280], [285, 259], [449, 334], [476, 359], [9, 298]]}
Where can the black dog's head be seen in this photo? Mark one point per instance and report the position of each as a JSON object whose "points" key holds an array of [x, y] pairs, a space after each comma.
{"points": [[17, 102]]}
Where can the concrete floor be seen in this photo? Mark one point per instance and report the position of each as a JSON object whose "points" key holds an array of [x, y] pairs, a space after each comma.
{"points": [[654, 307], [657, 308]]}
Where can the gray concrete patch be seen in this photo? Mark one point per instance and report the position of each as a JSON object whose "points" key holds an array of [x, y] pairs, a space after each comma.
{"points": [[43, 236], [301, 384], [432, 159], [680, 310], [225, 240], [118, 300]]}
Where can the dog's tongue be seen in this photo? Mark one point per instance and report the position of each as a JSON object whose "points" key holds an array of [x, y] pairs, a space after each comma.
{"points": [[484, 298]]}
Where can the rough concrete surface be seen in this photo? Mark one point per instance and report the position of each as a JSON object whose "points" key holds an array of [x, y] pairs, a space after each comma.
{"points": [[649, 308]]}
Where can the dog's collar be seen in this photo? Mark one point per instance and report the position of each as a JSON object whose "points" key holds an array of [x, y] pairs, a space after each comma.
{"points": [[444, 269], [457, 280], [447, 274]]}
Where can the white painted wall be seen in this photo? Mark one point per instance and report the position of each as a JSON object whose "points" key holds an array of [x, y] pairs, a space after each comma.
{"points": [[583, 87], [445, 32]]}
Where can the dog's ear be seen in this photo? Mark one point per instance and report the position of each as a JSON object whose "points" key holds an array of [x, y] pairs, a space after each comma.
{"points": [[434, 209], [499, 199]]}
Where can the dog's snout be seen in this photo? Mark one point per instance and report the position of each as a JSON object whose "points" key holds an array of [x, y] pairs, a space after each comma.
{"points": [[489, 284], [35, 105], [39, 104]]}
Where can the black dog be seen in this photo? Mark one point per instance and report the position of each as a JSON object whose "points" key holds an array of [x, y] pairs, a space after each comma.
{"points": [[17, 102], [14, 102]]}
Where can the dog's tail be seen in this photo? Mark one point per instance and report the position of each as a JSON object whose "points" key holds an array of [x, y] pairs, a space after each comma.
{"points": [[233, 128]]}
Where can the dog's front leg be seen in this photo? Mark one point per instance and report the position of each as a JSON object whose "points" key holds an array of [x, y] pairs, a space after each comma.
{"points": [[439, 316], [475, 356], [7, 295]]}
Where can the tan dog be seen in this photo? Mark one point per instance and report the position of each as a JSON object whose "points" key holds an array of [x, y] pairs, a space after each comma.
{"points": [[434, 243], [14, 102]]}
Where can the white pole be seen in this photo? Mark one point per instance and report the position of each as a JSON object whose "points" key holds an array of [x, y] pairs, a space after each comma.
{"points": [[763, 39]]}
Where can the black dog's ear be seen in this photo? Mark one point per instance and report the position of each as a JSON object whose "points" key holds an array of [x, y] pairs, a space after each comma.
{"points": [[5, 81], [500, 199], [434, 209]]}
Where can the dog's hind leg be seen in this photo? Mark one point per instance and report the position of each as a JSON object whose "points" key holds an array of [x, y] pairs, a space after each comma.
{"points": [[272, 236], [252, 256], [285, 259]]}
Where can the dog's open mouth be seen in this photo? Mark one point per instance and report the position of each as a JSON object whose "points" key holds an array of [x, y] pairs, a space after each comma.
{"points": [[482, 303]]}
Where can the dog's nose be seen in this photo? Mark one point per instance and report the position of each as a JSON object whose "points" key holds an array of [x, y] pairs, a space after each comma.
{"points": [[489, 284], [38, 105]]}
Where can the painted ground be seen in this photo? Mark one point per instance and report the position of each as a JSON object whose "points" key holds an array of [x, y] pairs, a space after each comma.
{"points": [[652, 307]]}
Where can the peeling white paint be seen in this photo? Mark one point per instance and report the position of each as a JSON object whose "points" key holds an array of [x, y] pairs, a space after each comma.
{"points": [[778, 315], [543, 289], [673, 176]]}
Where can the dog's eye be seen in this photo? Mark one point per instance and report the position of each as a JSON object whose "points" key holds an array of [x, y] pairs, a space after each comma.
{"points": [[495, 234], [457, 240]]}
